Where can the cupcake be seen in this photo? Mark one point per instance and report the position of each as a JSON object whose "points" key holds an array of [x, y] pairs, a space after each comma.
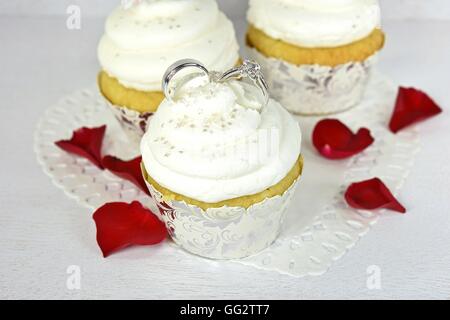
{"points": [[317, 55], [222, 167], [142, 40]]}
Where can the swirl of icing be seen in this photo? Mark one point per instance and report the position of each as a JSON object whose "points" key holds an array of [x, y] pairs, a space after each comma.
{"points": [[211, 144], [315, 23], [140, 42]]}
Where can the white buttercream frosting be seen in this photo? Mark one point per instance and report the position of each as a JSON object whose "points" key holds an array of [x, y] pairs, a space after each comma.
{"points": [[315, 23], [140, 42], [211, 144]]}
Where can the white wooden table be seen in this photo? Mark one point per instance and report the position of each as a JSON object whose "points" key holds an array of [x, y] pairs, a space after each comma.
{"points": [[42, 232]]}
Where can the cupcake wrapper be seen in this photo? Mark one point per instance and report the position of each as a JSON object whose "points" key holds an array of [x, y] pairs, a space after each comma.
{"points": [[227, 232], [133, 123], [315, 89]]}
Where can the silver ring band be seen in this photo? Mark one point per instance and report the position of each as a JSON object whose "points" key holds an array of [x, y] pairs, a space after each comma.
{"points": [[177, 67]]}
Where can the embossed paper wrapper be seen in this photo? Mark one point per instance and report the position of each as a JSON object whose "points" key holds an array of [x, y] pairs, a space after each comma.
{"points": [[315, 89], [227, 232], [133, 123]]}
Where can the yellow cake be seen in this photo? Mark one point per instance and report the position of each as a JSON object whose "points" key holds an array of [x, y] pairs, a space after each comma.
{"points": [[244, 201], [356, 51], [119, 95]]}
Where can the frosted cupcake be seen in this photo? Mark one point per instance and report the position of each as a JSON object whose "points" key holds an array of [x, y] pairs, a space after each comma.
{"points": [[222, 167], [141, 41], [317, 55]]}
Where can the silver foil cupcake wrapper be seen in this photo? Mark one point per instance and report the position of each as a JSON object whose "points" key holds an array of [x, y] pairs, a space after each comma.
{"points": [[315, 89], [133, 123], [227, 232]]}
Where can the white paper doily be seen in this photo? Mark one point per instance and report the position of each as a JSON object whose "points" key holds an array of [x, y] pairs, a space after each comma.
{"points": [[319, 227]]}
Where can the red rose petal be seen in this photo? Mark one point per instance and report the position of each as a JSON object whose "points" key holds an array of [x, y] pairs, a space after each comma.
{"points": [[128, 170], [86, 143], [121, 225], [372, 194], [412, 106], [334, 140]]}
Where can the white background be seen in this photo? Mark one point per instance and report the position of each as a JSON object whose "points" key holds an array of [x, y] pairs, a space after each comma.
{"points": [[42, 232], [392, 9]]}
